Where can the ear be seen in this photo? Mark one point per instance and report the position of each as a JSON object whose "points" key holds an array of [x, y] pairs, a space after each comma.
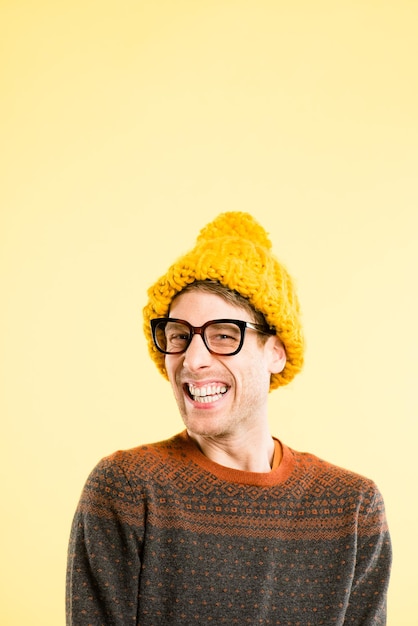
{"points": [[277, 355]]}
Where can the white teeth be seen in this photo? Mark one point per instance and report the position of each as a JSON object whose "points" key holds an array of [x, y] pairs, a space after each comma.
{"points": [[207, 393]]}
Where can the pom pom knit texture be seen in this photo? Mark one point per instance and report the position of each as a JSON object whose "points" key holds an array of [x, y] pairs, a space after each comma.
{"points": [[235, 251]]}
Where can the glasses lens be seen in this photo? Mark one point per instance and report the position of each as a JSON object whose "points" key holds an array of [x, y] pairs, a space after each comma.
{"points": [[172, 337], [223, 337]]}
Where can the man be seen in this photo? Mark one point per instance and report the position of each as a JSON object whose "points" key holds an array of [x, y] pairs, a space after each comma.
{"points": [[222, 523]]}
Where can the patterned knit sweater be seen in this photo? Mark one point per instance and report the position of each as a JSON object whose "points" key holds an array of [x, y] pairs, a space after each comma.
{"points": [[163, 536]]}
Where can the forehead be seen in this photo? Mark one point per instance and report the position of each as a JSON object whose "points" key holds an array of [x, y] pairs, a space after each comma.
{"points": [[198, 307]]}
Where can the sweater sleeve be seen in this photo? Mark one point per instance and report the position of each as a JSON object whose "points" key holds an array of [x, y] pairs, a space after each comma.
{"points": [[367, 604], [104, 555]]}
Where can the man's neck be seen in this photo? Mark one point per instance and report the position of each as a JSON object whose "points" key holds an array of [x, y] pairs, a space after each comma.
{"points": [[249, 453]]}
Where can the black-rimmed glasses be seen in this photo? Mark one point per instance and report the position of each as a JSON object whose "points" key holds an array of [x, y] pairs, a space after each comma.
{"points": [[223, 337]]}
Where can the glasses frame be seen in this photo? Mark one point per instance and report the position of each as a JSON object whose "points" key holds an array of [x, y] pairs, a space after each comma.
{"points": [[200, 330]]}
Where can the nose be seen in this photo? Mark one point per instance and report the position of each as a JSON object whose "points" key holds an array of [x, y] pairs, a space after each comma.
{"points": [[197, 355]]}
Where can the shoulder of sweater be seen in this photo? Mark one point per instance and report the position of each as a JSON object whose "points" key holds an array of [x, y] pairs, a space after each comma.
{"points": [[324, 473], [138, 456]]}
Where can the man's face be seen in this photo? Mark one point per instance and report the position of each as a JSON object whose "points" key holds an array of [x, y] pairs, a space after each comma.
{"points": [[238, 384]]}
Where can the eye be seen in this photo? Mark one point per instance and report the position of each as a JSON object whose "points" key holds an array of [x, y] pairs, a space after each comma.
{"points": [[176, 335], [173, 336], [222, 336], [227, 335]]}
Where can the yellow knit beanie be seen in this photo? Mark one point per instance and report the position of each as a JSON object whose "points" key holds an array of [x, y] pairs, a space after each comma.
{"points": [[235, 251]]}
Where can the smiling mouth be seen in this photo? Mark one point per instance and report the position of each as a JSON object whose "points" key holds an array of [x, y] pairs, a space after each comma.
{"points": [[207, 393]]}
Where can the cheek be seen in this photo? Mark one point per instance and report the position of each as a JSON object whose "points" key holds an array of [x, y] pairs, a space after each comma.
{"points": [[263, 372], [170, 368], [170, 362], [255, 374]]}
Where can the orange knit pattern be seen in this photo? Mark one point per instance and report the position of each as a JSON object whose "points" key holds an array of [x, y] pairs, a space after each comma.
{"points": [[236, 251], [165, 537]]}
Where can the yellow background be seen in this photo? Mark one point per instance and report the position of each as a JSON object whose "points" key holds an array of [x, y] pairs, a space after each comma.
{"points": [[125, 127]]}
